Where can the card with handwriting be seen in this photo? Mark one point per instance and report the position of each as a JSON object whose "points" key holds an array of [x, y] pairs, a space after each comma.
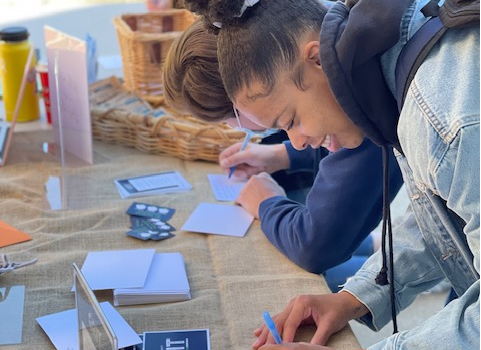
{"points": [[225, 189]]}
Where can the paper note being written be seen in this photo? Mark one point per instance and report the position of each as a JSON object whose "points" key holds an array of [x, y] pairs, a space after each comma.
{"points": [[225, 189]]}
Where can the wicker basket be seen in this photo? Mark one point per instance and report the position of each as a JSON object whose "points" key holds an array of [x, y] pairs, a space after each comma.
{"points": [[144, 41], [121, 117]]}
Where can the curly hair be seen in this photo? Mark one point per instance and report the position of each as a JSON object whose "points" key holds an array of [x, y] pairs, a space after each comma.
{"points": [[261, 43], [192, 82]]}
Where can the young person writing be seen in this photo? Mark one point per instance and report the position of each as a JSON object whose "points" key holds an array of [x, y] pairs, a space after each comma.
{"points": [[342, 207], [327, 78]]}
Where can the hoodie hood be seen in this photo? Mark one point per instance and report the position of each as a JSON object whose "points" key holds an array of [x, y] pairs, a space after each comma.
{"points": [[352, 41]]}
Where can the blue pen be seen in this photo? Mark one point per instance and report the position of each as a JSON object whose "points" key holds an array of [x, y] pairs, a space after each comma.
{"points": [[272, 327], [243, 147]]}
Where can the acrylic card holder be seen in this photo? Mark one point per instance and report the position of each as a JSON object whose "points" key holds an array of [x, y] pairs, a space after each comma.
{"points": [[94, 330], [70, 111]]}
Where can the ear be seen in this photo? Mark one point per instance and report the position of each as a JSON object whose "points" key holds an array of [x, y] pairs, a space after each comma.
{"points": [[310, 53]]}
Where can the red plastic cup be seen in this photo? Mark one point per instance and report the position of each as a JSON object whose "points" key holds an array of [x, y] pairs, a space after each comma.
{"points": [[159, 5], [42, 71]]}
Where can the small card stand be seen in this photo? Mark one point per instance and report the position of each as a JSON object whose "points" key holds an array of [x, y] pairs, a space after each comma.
{"points": [[94, 330], [67, 73]]}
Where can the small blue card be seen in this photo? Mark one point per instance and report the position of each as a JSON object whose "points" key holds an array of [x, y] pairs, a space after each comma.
{"points": [[11, 308]]}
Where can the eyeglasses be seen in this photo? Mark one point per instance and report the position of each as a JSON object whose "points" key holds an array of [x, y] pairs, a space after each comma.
{"points": [[251, 133]]}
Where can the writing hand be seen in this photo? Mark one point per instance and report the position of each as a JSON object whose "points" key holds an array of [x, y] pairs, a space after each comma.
{"points": [[329, 312], [257, 189], [254, 159]]}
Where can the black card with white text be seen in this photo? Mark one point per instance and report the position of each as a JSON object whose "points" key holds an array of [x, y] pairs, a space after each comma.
{"points": [[195, 339]]}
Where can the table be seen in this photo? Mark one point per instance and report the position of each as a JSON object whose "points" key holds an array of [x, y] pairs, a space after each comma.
{"points": [[232, 279]]}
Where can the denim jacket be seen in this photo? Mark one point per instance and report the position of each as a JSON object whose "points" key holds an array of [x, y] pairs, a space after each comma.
{"points": [[438, 132]]}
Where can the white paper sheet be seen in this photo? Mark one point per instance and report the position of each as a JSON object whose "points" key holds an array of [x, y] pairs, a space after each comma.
{"points": [[61, 328], [219, 219], [225, 189], [117, 268]]}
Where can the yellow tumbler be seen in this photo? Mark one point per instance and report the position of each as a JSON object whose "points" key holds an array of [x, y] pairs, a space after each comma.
{"points": [[14, 50]]}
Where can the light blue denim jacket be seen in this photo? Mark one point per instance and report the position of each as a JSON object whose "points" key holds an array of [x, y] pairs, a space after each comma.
{"points": [[439, 134]]}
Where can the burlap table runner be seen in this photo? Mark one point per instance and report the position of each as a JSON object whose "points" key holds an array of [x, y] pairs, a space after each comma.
{"points": [[232, 279]]}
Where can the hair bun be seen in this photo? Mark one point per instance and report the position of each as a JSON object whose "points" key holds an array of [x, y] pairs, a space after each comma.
{"points": [[216, 11]]}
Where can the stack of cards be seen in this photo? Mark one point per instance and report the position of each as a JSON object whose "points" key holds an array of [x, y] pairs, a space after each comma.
{"points": [[149, 221], [166, 282]]}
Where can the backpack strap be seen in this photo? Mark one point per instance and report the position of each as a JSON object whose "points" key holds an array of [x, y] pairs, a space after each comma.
{"points": [[413, 54], [453, 13]]}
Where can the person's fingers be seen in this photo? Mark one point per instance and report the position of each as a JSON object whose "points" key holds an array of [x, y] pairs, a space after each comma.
{"points": [[300, 312], [265, 336], [263, 331], [261, 338], [293, 346], [229, 151], [239, 173], [266, 176], [259, 330], [321, 336], [235, 157]]}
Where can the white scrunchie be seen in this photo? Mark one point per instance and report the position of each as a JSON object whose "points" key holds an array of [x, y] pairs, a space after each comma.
{"points": [[247, 4]]}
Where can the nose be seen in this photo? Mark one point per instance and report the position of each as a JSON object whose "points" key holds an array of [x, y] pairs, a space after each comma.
{"points": [[299, 142]]}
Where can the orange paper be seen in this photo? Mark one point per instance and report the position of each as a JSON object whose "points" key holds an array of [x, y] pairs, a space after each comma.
{"points": [[10, 235]]}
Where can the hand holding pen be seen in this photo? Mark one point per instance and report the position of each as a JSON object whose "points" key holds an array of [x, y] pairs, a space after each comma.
{"points": [[247, 138], [272, 327], [249, 135]]}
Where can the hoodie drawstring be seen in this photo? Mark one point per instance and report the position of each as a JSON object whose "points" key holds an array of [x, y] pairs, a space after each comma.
{"points": [[381, 277]]}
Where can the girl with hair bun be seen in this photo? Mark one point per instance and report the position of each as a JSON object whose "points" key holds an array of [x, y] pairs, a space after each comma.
{"points": [[348, 182]]}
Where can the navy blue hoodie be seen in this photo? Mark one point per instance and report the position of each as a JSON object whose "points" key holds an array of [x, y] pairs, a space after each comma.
{"points": [[342, 208]]}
